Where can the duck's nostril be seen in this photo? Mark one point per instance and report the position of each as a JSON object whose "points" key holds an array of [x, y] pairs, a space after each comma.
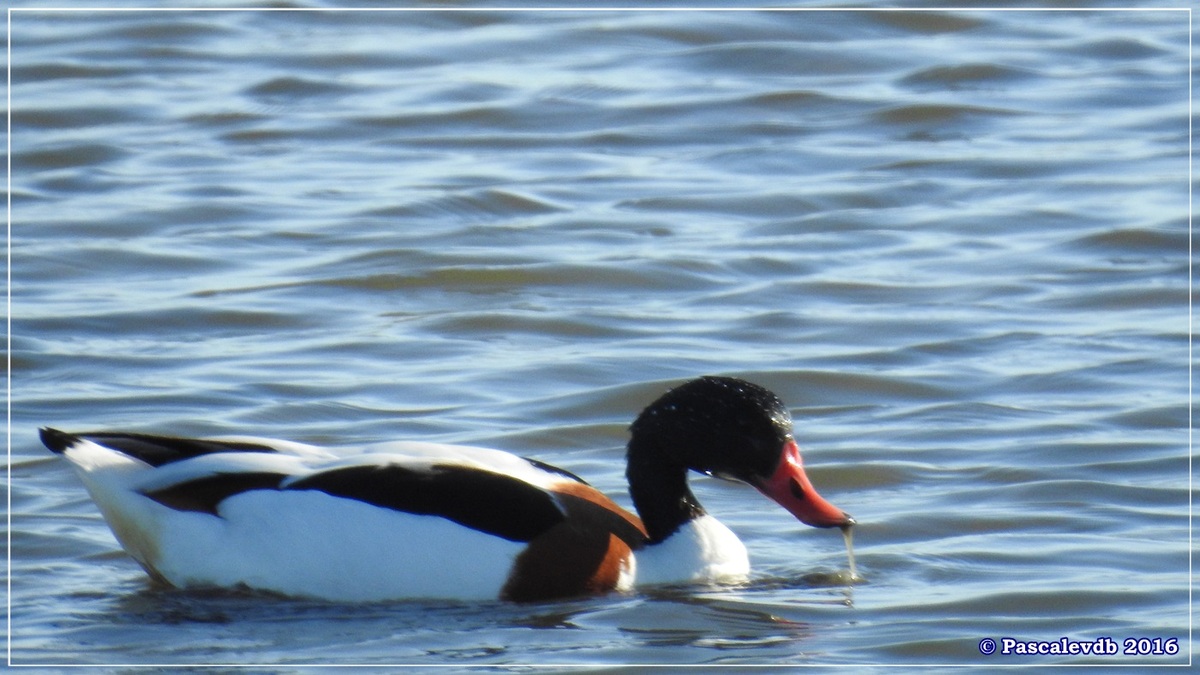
{"points": [[797, 489]]}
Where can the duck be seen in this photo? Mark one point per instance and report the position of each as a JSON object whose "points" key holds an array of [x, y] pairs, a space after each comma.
{"points": [[420, 520]]}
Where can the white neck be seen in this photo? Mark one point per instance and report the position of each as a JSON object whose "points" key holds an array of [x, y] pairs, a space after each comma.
{"points": [[702, 550]]}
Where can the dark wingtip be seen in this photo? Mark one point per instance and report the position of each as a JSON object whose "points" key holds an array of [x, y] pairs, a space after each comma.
{"points": [[57, 441]]}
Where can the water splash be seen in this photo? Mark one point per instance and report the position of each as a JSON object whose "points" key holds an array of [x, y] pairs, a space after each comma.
{"points": [[848, 535]]}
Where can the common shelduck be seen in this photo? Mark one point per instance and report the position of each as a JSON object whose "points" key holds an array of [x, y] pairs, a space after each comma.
{"points": [[424, 520]]}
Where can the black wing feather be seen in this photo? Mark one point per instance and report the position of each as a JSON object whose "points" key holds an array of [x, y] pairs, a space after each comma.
{"points": [[204, 494], [550, 468], [482, 500], [152, 449]]}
